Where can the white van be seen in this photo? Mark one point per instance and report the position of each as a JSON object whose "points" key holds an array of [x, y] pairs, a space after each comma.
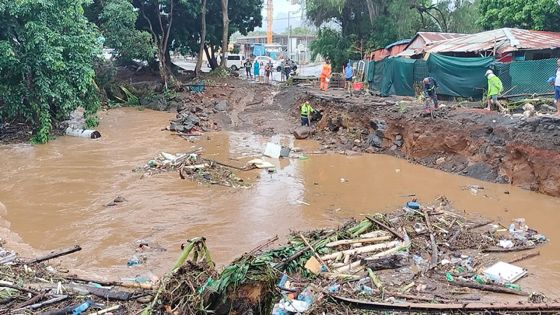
{"points": [[235, 61]]}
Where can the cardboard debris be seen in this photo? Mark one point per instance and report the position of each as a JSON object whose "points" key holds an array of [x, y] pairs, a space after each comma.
{"points": [[273, 150], [313, 265], [502, 273]]}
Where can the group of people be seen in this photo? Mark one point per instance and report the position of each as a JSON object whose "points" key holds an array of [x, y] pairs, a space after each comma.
{"points": [[256, 73], [495, 87], [254, 69], [326, 73]]}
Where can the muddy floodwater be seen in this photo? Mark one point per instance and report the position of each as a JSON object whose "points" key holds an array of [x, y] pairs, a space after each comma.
{"points": [[54, 196]]}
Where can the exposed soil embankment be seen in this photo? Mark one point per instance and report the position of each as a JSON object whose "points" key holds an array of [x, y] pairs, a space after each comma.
{"points": [[524, 152]]}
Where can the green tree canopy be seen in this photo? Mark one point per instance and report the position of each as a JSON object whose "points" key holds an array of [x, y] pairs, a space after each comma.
{"points": [[47, 49], [117, 22], [533, 14]]}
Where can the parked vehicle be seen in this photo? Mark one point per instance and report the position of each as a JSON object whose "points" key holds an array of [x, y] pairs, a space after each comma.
{"points": [[235, 61]]}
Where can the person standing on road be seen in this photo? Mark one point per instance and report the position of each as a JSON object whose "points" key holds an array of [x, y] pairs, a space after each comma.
{"points": [[349, 76], [430, 86], [495, 87], [248, 65], [306, 111], [557, 88], [267, 70], [325, 75], [257, 70], [287, 68]]}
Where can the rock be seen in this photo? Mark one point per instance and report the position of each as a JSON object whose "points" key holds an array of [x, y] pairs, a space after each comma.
{"points": [[398, 137], [378, 124], [357, 141], [440, 161], [155, 102], [393, 148], [398, 143], [374, 141], [221, 106], [302, 132], [481, 171]]}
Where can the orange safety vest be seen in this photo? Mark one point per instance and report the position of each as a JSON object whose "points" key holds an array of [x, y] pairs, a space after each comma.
{"points": [[326, 71]]}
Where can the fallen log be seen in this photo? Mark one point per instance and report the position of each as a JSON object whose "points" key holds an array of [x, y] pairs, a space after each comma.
{"points": [[438, 308], [389, 262], [361, 240], [106, 293], [487, 287], [508, 250], [35, 306], [361, 250], [531, 255], [56, 254], [381, 224]]}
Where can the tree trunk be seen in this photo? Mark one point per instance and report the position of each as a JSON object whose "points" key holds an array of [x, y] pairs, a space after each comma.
{"points": [[202, 38], [225, 35]]}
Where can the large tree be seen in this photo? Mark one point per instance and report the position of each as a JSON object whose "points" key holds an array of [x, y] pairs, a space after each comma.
{"points": [[533, 14], [117, 21], [365, 25], [47, 49]]}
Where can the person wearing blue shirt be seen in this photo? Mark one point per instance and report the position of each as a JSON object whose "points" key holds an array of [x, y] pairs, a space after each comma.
{"points": [[349, 75]]}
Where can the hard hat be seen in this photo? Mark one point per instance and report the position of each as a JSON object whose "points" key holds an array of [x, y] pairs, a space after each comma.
{"points": [[489, 72]]}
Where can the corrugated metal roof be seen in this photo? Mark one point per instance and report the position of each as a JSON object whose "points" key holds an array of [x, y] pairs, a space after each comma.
{"points": [[502, 40], [430, 37], [400, 42]]}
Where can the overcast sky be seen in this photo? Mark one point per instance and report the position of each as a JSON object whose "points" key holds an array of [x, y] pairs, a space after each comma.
{"points": [[281, 9]]}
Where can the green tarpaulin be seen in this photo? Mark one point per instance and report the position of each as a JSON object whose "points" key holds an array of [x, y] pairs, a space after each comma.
{"points": [[458, 76], [531, 76], [398, 77]]}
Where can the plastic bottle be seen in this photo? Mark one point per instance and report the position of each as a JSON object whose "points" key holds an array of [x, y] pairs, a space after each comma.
{"points": [[283, 280], [367, 290], [277, 310], [449, 276], [306, 296], [513, 286], [82, 308], [134, 261]]}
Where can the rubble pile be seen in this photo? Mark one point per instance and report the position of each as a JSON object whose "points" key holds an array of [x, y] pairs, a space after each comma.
{"points": [[193, 166], [416, 259], [195, 115], [34, 287]]}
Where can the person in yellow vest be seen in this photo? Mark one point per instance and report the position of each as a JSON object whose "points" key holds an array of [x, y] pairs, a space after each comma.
{"points": [[325, 75], [306, 111], [495, 87]]}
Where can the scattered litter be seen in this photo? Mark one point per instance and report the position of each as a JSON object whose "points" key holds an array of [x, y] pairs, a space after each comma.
{"points": [[258, 163], [343, 180], [193, 166], [502, 273], [505, 244], [83, 133], [273, 150]]}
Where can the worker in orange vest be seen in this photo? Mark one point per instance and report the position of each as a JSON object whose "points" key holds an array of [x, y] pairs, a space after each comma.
{"points": [[325, 75]]}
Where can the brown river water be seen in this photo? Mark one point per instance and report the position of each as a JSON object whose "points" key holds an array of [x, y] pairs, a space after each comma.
{"points": [[53, 196]]}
